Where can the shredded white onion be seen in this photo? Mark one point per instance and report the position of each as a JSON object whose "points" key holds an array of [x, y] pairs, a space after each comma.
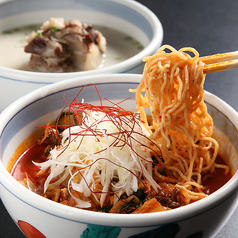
{"points": [[102, 147]]}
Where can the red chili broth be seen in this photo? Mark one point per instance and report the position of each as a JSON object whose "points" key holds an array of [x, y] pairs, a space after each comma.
{"points": [[25, 167], [217, 179]]}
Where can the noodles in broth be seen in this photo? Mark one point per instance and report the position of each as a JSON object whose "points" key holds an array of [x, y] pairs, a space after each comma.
{"points": [[173, 86]]}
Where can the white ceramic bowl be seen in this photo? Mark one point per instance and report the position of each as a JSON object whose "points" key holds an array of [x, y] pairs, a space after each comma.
{"points": [[203, 218], [127, 16]]}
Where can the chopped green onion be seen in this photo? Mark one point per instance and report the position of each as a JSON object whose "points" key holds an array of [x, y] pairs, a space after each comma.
{"points": [[38, 34], [54, 29], [7, 32], [129, 38]]}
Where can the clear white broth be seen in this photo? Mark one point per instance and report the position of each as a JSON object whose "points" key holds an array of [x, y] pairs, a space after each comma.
{"points": [[12, 42]]}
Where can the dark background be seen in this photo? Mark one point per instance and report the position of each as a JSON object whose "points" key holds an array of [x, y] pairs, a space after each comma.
{"points": [[209, 26]]}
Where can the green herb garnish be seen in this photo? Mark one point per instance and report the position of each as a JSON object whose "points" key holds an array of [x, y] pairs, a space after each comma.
{"points": [[54, 29], [128, 38], [38, 34], [135, 42], [11, 30], [7, 32]]}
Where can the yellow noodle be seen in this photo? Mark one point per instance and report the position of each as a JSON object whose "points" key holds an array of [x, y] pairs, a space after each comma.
{"points": [[172, 89]]}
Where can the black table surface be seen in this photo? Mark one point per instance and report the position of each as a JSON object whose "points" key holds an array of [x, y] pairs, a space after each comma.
{"points": [[209, 26]]}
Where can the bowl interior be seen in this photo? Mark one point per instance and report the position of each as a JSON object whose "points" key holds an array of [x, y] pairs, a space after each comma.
{"points": [[106, 13], [129, 17], [19, 120]]}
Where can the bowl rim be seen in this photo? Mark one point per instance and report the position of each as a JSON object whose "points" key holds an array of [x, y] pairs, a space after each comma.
{"points": [[121, 220], [121, 67]]}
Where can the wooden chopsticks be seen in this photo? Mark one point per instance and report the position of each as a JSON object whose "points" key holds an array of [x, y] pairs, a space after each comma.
{"points": [[220, 62]]}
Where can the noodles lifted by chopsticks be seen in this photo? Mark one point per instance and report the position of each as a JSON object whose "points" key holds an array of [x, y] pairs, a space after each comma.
{"points": [[172, 88]]}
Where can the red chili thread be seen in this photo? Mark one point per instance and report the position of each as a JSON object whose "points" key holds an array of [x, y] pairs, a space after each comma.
{"points": [[115, 114]]}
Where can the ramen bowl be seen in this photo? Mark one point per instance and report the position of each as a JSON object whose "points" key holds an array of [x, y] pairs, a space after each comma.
{"points": [[140, 30], [34, 213]]}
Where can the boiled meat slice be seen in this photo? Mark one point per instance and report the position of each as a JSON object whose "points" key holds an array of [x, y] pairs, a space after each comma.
{"points": [[65, 46]]}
